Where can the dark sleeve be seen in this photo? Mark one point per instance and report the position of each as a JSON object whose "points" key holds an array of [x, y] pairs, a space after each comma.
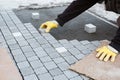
{"points": [[74, 9], [115, 43]]}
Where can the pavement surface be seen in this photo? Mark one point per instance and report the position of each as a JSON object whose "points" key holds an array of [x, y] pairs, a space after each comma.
{"points": [[39, 56], [74, 29]]}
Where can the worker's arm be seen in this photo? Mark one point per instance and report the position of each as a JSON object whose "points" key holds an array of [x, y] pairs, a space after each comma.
{"points": [[75, 9], [110, 51]]}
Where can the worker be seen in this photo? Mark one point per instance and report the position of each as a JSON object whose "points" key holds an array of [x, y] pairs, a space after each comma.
{"points": [[104, 53]]}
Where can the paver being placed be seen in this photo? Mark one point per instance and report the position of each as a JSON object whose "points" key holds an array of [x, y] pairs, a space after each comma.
{"points": [[39, 56]]}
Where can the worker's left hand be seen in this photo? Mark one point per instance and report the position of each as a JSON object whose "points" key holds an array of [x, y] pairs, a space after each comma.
{"points": [[106, 52]]}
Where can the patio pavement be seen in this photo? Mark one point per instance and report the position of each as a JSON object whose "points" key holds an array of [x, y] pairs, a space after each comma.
{"points": [[39, 56]]}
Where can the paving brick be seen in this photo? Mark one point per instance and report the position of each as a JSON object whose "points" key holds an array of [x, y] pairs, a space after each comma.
{"points": [[38, 49], [31, 77], [63, 66], [70, 74], [31, 40], [74, 42], [90, 46], [55, 72], [33, 58], [85, 78], [54, 55], [56, 45], [20, 58], [46, 46], [86, 51], [63, 41], [81, 47], [23, 43], [45, 59], [65, 54], [68, 46], [58, 60], [79, 56], [14, 46], [24, 64], [96, 43], [74, 51], [12, 41], [42, 41], [17, 34], [40, 70], [45, 76], [84, 42], [53, 41], [20, 38], [36, 64], [61, 49], [41, 54], [50, 50], [70, 59], [9, 37], [26, 49], [29, 54], [50, 65], [61, 77], [77, 78], [26, 71]]}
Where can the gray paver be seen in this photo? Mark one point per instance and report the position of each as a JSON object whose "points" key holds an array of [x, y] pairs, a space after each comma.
{"points": [[54, 55], [41, 53], [20, 58], [55, 72], [79, 56], [58, 60], [31, 77], [70, 74], [63, 41], [77, 78], [60, 77], [36, 64], [29, 54], [63, 66], [27, 71], [70, 59], [14, 46], [74, 42], [45, 59], [45, 76], [84, 42], [33, 58], [74, 51], [26, 49], [17, 52], [40, 70], [50, 65], [23, 64]]}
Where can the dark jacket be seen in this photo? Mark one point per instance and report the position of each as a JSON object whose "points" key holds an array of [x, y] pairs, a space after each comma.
{"points": [[76, 8], [113, 5]]}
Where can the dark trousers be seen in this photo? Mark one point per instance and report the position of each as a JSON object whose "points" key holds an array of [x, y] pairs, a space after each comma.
{"points": [[79, 6]]}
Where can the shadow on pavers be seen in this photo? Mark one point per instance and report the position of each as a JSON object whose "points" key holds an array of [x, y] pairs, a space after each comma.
{"points": [[74, 29]]}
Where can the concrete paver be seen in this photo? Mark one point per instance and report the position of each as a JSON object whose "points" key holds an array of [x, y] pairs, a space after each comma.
{"points": [[34, 53]]}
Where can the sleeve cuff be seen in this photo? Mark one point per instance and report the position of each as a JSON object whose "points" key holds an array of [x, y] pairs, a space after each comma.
{"points": [[115, 46]]}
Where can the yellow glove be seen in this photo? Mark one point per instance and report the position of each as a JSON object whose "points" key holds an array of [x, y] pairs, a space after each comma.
{"points": [[49, 25], [106, 52]]}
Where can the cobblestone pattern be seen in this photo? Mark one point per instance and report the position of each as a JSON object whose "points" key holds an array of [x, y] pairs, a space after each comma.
{"points": [[35, 53]]}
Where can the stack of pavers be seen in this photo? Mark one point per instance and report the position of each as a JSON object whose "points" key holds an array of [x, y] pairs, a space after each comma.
{"points": [[39, 56]]}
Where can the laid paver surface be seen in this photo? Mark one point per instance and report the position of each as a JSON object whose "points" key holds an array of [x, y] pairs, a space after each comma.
{"points": [[35, 55]]}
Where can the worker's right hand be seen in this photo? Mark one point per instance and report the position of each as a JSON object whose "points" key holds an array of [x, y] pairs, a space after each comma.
{"points": [[49, 25]]}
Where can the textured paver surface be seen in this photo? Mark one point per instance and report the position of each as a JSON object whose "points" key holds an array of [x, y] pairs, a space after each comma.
{"points": [[39, 56]]}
